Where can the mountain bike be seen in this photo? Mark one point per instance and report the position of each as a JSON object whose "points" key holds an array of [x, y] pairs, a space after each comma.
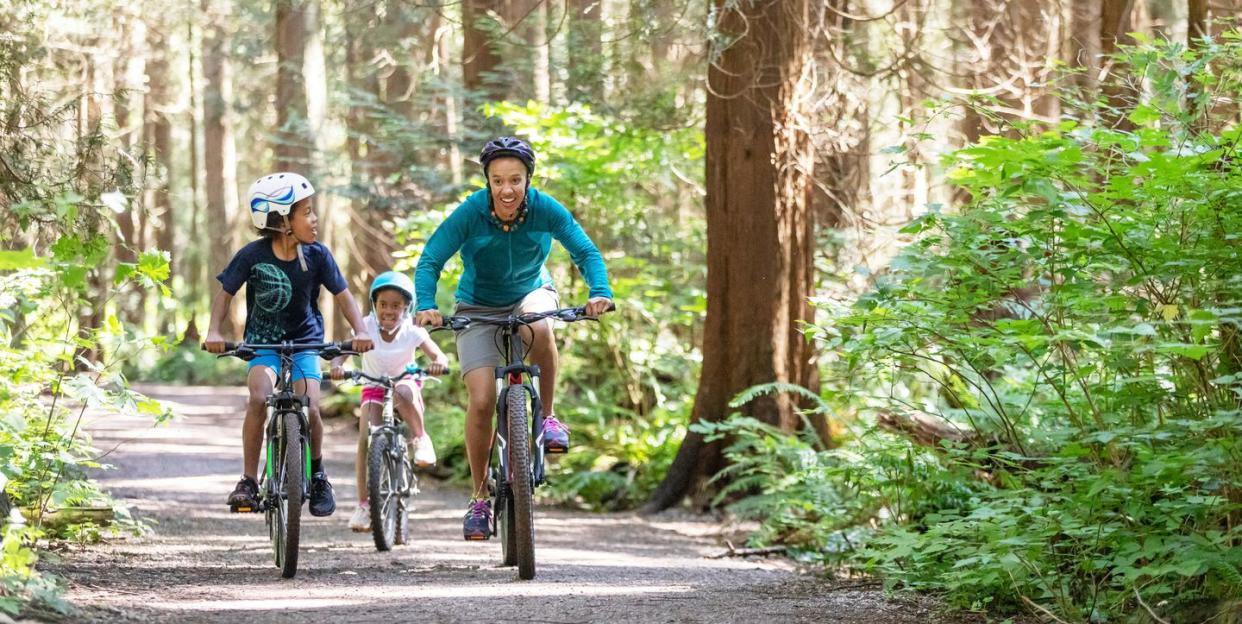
{"points": [[390, 476], [517, 446], [285, 480]]}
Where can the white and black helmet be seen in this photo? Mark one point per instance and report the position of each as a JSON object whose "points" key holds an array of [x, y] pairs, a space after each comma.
{"points": [[276, 193]]}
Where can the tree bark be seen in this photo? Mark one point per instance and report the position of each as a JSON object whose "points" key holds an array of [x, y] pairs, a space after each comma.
{"points": [[158, 131], [480, 60], [1114, 24], [293, 141], [1196, 22], [760, 230], [219, 147]]}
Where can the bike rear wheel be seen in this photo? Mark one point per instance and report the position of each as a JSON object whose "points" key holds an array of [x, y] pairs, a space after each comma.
{"points": [[290, 504], [521, 485], [383, 492]]}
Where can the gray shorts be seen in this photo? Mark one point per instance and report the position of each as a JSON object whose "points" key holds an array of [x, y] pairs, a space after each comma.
{"points": [[477, 345]]}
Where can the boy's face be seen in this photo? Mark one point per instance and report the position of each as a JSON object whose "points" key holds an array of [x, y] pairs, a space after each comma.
{"points": [[507, 178], [304, 221], [390, 306]]}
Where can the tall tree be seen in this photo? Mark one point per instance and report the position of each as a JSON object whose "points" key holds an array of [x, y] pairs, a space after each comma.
{"points": [[480, 60], [293, 145], [219, 146], [158, 138], [760, 229], [1116, 85]]}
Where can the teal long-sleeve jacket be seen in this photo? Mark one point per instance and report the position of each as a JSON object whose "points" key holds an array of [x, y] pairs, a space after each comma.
{"points": [[500, 268]]}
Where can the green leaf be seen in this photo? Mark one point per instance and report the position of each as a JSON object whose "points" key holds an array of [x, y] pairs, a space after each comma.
{"points": [[20, 259]]}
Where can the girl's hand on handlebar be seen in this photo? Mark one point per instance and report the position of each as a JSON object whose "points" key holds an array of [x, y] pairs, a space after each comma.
{"points": [[213, 343], [438, 367], [428, 318], [338, 373], [362, 342], [598, 305]]}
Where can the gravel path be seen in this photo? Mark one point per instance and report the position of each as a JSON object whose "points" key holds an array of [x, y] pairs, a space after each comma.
{"points": [[202, 564]]}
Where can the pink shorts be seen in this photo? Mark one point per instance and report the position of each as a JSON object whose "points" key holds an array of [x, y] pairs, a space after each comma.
{"points": [[375, 394]]}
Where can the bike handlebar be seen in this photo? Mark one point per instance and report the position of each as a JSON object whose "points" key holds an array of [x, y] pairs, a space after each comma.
{"points": [[569, 315], [388, 381], [327, 350]]}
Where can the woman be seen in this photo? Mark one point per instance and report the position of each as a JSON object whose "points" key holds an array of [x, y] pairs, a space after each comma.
{"points": [[504, 233]]}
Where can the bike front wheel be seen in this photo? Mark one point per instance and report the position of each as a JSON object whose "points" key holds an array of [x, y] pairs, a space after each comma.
{"points": [[521, 485], [289, 503], [383, 491]]}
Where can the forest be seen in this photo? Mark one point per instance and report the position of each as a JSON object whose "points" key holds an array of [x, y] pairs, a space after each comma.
{"points": [[945, 293]]}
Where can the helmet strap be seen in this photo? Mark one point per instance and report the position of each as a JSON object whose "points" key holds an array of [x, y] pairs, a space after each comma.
{"points": [[288, 234]]}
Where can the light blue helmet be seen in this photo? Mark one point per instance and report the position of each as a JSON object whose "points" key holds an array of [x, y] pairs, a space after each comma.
{"points": [[393, 279]]}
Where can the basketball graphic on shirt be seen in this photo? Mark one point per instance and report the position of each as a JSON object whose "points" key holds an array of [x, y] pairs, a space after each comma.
{"points": [[272, 289], [272, 293]]}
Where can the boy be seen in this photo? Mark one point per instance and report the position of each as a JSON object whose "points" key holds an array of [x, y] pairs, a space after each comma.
{"points": [[283, 272]]}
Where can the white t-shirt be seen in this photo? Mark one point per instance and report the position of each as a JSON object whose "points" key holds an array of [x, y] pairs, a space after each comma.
{"points": [[390, 358]]}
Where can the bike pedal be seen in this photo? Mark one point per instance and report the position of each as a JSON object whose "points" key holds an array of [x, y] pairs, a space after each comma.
{"points": [[240, 509], [555, 450], [478, 538]]}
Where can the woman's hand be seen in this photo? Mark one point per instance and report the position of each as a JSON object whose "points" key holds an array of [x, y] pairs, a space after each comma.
{"points": [[596, 306], [428, 318]]}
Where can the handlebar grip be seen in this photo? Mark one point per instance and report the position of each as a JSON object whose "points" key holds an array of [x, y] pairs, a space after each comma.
{"points": [[232, 346], [612, 307]]}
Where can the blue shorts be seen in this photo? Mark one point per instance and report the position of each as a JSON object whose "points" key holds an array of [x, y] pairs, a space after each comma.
{"points": [[305, 363]]}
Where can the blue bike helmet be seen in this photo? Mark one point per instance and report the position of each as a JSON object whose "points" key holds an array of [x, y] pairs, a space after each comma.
{"points": [[500, 147], [397, 281]]}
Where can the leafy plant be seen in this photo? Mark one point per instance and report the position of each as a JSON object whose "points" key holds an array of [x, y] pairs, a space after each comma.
{"points": [[1047, 378]]}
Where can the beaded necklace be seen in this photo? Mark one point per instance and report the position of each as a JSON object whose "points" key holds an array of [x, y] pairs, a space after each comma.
{"points": [[511, 225]]}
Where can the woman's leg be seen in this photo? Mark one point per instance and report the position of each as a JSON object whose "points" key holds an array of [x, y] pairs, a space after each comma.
{"points": [[481, 386]]}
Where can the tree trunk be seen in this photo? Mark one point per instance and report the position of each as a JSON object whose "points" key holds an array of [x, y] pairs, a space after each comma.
{"points": [[219, 148], [126, 68], [537, 36], [452, 107], [1197, 22], [1114, 24], [759, 229], [158, 131], [1084, 46], [586, 50], [293, 141], [192, 262], [479, 57]]}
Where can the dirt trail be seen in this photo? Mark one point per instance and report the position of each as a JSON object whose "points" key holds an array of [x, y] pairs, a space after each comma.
{"points": [[203, 564]]}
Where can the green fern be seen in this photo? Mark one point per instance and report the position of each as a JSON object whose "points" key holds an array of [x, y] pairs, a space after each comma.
{"points": [[777, 387]]}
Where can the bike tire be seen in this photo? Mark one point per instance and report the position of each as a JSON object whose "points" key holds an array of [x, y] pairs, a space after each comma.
{"points": [[504, 526], [521, 483], [382, 492], [294, 482]]}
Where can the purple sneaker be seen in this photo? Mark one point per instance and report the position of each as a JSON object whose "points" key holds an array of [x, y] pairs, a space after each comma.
{"points": [[555, 436], [477, 525]]}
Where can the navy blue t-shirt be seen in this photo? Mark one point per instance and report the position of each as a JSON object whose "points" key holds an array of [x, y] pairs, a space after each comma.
{"points": [[282, 299]]}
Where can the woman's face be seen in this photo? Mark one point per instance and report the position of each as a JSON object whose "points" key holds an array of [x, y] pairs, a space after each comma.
{"points": [[507, 178], [390, 305], [304, 222]]}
